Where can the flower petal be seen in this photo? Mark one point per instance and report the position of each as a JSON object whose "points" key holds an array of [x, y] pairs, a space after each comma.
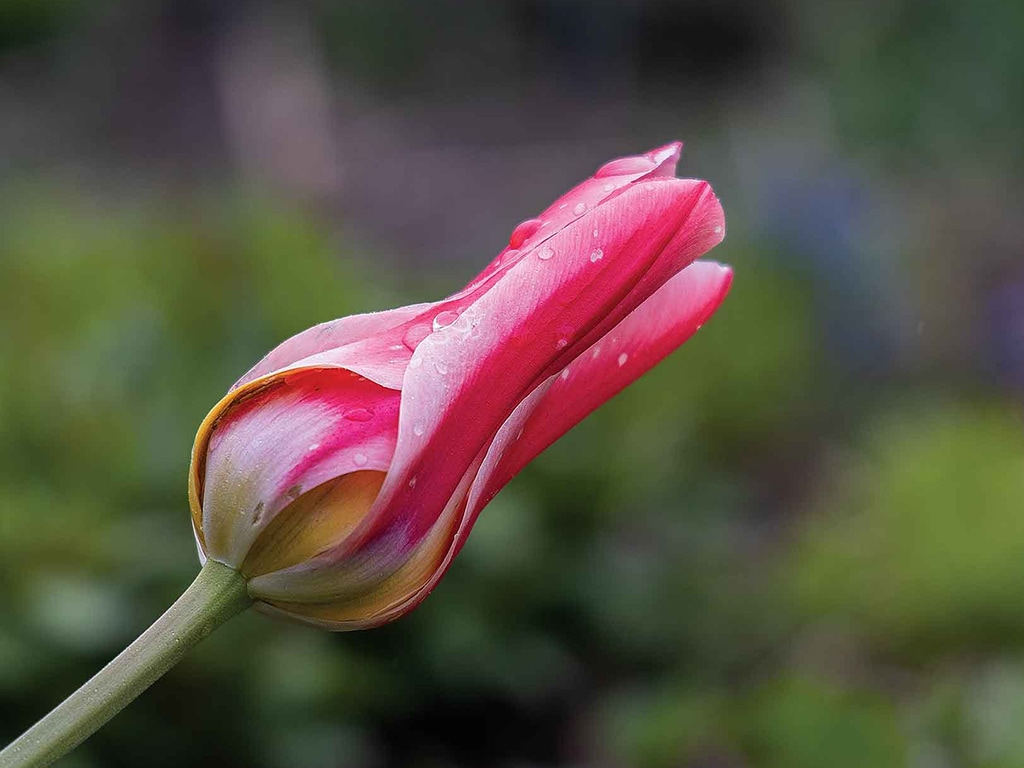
{"points": [[268, 442], [638, 343], [584, 197], [650, 333], [334, 334], [464, 380]]}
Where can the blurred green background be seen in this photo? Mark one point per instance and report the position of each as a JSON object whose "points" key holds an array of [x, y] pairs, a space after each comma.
{"points": [[799, 542]]}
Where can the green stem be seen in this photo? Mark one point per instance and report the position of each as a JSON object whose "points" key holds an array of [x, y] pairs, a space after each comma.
{"points": [[217, 594]]}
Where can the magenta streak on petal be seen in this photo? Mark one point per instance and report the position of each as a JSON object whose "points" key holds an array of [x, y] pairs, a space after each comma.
{"points": [[331, 335], [499, 350], [646, 336], [267, 450]]}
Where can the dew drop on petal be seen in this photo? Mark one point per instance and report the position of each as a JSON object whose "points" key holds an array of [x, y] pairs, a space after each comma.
{"points": [[624, 166], [359, 414], [416, 362], [595, 233], [596, 255], [622, 359], [545, 253], [523, 231], [596, 351], [313, 446], [718, 229], [561, 344], [565, 374], [412, 482], [609, 187], [418, 429], [444, 319], [415, 335], [441, 367], [580, 208], [360, 459]]}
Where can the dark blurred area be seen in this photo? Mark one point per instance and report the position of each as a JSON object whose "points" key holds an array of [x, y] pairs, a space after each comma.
{"points": [[799, 542]]}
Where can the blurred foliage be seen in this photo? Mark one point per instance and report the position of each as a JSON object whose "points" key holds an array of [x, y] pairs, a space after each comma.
{"points": [[798, 542], [923, 81], [919, 538]]}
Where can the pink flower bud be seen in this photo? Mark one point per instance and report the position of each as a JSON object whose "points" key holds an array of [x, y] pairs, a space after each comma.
{"points": [[342, 474]]}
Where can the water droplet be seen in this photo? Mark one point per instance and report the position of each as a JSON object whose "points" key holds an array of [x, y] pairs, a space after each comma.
{"points": [[624, 166], [622, 359], [441, 367], [596, 255], [545, 253], [718, 229], [580, 208], [360, 459], [565, 374], [418, 429], [561, 344], [397, 346], [416, 362], [562, 206], [444, 319], [313, 446], [596, 351], [415, 335], [412, 482], [359, 414], [595, 233], [523, 232], [609, 187]]}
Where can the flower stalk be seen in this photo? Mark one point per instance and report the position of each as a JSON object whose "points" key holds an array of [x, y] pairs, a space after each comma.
{"points": [[217, 594]]}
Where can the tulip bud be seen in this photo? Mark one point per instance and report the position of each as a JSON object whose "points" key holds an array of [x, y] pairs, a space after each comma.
{"points": [[342, 474]]}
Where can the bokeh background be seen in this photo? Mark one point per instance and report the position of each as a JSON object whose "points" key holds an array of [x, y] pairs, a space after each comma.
{"points": [[799, 542]]}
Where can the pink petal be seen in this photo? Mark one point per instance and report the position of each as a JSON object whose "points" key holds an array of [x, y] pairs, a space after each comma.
{"points": [[607, 181], [299, 432], [705, 228], [638, 343], [464, 381], [329, 336], [650, 333]]}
